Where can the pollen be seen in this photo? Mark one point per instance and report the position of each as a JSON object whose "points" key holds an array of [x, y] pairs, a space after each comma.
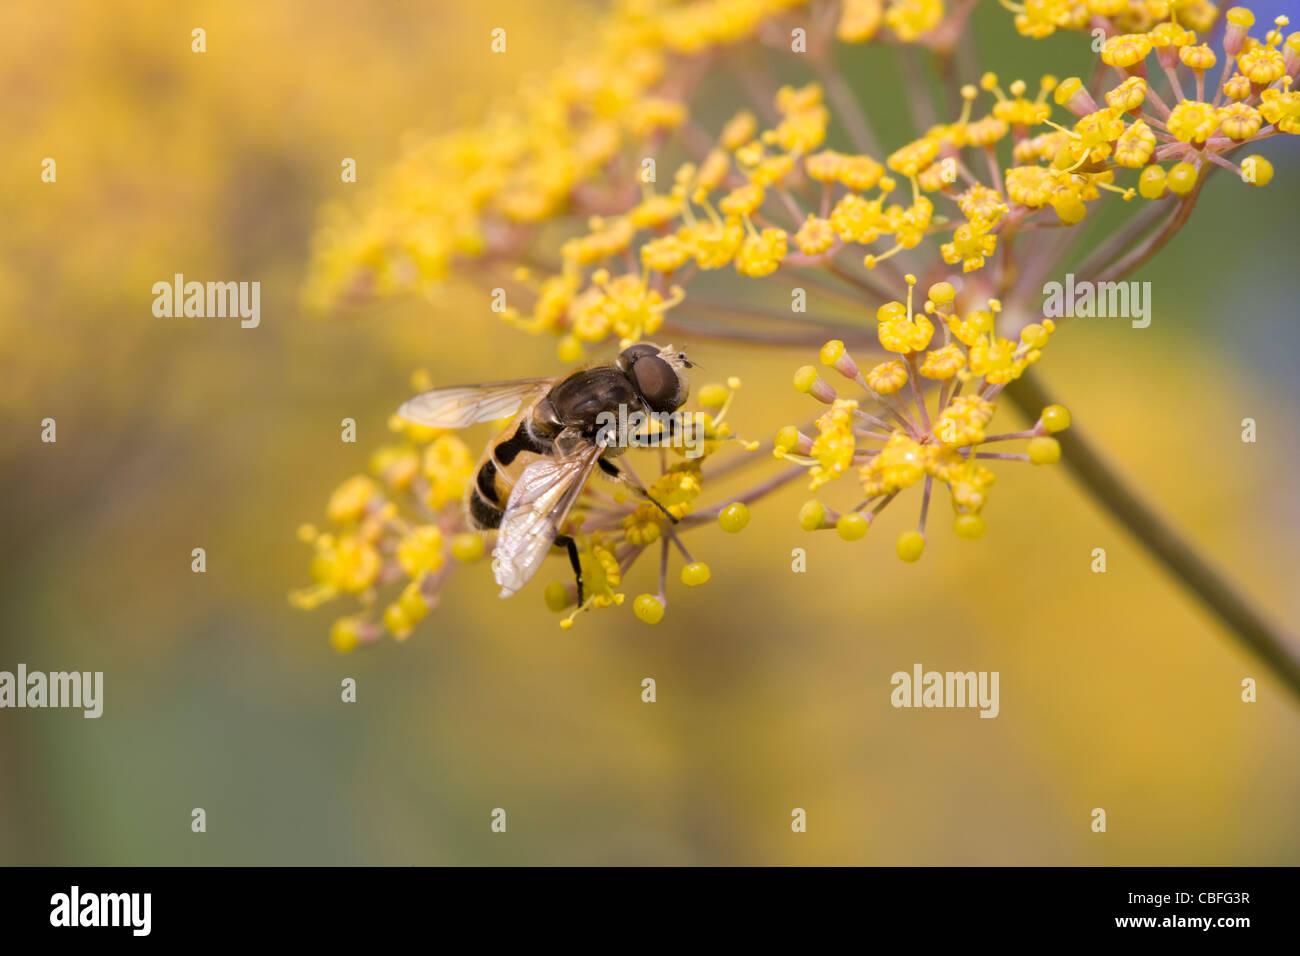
{"points": [[1055, 418], [812, 516], [734, 517], [695, 574], [467, 547], [910, 546], [1044, 450], [648, 609], [852, 527]]}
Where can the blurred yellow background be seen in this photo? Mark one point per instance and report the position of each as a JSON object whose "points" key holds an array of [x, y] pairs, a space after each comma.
{"points": [[1117, 690]]}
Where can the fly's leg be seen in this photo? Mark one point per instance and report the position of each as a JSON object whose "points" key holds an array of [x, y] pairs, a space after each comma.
{"points": [[567, 542], [618, 474]]}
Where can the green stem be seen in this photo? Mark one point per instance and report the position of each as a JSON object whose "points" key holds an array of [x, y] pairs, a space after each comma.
{"points": [[1164, 543]]}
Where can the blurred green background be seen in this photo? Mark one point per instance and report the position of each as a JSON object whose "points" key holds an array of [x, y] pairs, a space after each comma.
{"points": [[1117, 690]]}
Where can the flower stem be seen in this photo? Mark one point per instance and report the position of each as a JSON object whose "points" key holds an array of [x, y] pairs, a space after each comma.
{"points": [[1164, 543]]}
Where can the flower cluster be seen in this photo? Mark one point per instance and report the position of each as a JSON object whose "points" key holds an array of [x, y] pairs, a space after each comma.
{"points": [[567, 145], [896, 442], [778, 201], [614, 529], [393, 537], [395, 534], [1040, 18], [1141, 128]]}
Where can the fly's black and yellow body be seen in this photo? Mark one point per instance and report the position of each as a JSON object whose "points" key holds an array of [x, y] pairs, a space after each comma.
{"points": [[533, 472], [574, 402]]}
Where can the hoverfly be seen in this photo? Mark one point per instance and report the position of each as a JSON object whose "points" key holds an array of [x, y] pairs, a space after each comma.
{"points": [[534, 471]]}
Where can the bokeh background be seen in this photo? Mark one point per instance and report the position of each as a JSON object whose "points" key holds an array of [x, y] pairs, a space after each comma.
{"points": [[1117, 690]]}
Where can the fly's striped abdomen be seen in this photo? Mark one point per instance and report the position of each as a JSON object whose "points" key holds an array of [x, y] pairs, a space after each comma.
{"points": [[504, 461]]}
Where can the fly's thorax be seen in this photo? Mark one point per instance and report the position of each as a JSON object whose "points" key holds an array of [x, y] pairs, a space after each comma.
{"points": [[586, 398]]}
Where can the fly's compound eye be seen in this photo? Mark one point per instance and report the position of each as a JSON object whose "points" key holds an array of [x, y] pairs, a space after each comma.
{"points": [[657, 383], [636, 353]]}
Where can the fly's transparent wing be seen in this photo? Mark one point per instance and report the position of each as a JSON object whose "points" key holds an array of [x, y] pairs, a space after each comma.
{"points": [[539, 504], [463, 405]]}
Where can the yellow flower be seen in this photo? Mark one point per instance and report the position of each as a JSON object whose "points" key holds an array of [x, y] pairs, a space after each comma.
{"points": [[943, 363], [1262, 64], [665, 254], [963, 421], [421, 551], [887, 377], [803, 126], [654, 211], [653, 113], [914, 157], [1095, 132], [1170, 34], [834, 444], [1240, 121], [855, 219], [349, 500], [1237, 88], [971, 243], [448, 465], [900, 330], [1041, 18], [1282, 109], [713, 244], [1126, 49], [986, 131], [642, 526], [396, 465], [1128, 96], [859, 20], [740, 129], [973, 328], [1199, 57], [912, 18], [858, 173], [742, 201], [815, 236], [607, 238], [345, 564], [1030, 186], [824, 166], [1193, 122], [900, 464], [762, 253], [677, 487], [1135, 145]]}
